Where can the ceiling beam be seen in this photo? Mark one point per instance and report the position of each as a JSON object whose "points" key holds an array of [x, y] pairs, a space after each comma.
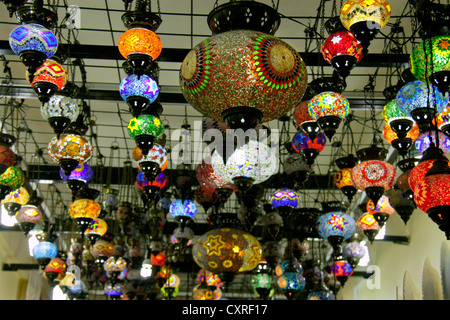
{"points": [[374, 60]]}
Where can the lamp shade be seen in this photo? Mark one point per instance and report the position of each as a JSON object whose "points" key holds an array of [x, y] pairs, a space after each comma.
{"points": [[425, 139], [417, 173], [28, 216], [52, 72], [145, 129], [341, 268], [284, 197], [43, 252], [69, 146], [375, 13], [160, 181], [152, 163], [390, 135], [421, 101], [291, 281], [267, 75], [82, 172], [336, 224], [33, 37], [186, 208], [383, 205], [55, 269], [255, 162], [19, 196], [342, 178], [342, 50], [139, 92], [227, 250], [96, 229], [430, 56], [392, 112], [83, 211], [102, 248], [301, 141], [140, 41]]}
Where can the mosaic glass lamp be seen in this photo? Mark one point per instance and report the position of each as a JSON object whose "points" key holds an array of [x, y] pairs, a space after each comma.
{"points": [[430, 60], [7, 156], [44, 252], [267, 75], [399, 122], [365, 18], [342, 180], [48, 79], [95, 230], [83, 211], [443, 121], [284, 200], [78, 177], [425, 139], [329, 109], [295, 166], [301, 142], [139, 92], [183, 211], [140, 46], [209, 179], [101, 251], [336, 227], [422, 102], [152, 163], [55, 270], [151, 189], [353, 252], [368, 225], [249, 164], [304, 121], [60, 110], [401, 145], [34, 44], [69, 150], [28, 216], [227, 250], [291, 283], [15, 200], [145, 129], [343, 51], [381, 211], [12, 179]]}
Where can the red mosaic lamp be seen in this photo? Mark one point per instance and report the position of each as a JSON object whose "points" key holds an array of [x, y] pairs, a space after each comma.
{"points": [[48, 79], [373, 175], [304, 121]]}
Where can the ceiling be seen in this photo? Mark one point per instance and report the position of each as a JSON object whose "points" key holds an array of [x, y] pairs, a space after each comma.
{"points": [[94, 61]]}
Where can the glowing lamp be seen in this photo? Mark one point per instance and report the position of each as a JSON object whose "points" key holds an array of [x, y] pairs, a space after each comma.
{"points": [[368, 225], [69, 150], [7, 156], [381, 211], [153, 163], [55, 270], [374, 177], [15, 200], [343, 51], [353, 252], [139, 92], [431, 59], [183, 211], [43, 252], [284, 200], [336, 227], [83, 211], [249, 164], [60, 110], [78, 177], [398, 121], [432, 194], [425, 139], [401, 145], [228, 250], [145, 129], [301, 142], [304, 121], [342, 180], [140, 46], [365, 18], [267, 75], [34, 44], [329, 109], [48, 79], [28, 216], [422, 102], [12, 179], [96, 229], [101, 251]]}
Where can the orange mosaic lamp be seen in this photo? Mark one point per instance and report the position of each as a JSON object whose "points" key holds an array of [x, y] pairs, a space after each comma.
{"points": [[48, 79], [83, 211], [401, 145]]}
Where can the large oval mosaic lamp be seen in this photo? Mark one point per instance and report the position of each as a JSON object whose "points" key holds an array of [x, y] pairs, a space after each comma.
{"points": [[430, 60], [422, 102], [249, 164], [329, 109], [267, 76], [365, 18]]}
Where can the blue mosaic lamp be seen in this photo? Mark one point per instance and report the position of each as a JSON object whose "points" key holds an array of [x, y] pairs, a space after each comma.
{"points": [[34, 44], [284, 200], [353, 252], [422, 102], [43, 252], [425, 139], [291, 283], [139, 92], [183, 211], [336, 227]]}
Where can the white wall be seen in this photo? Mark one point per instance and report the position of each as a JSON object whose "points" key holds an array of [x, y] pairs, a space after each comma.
{"points": [[425, 244]]}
